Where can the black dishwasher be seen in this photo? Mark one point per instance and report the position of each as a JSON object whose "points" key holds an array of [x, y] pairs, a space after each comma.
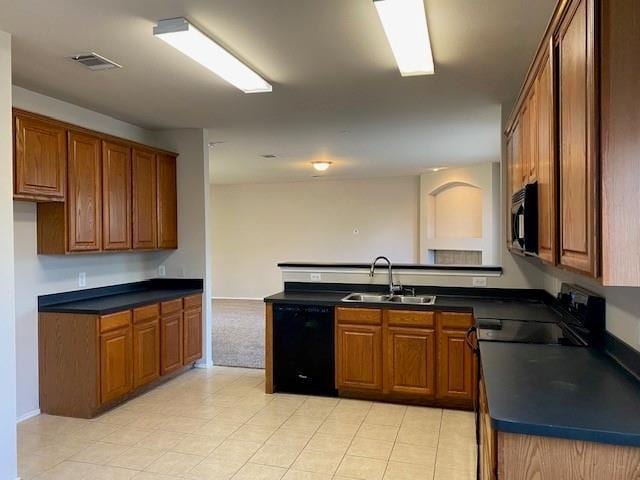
{"points": [[303, 349]]}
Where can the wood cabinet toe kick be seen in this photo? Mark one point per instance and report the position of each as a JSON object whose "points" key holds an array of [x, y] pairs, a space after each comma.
{"points": [[90, 363]]}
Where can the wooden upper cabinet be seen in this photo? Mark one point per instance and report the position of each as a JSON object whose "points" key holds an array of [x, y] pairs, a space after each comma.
{"points": [[145, 227], [620, 78], [40, 159], [410, 361], [116, 196], [115, 364], [525, 144], [456, 361], [516, 160], [577, 140], [530, 175], [359, 356], [546, 169], [84, 193], [167, 202]]}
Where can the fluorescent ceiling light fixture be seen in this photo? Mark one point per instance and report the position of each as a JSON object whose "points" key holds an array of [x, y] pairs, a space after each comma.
{"points": [[405, 24], [437, 169], [321, 166], [186, 38]]}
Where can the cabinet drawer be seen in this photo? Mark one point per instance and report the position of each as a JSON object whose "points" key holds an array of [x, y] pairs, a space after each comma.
{"points": [[143, 314], [410, 318], [115, 321], [194, 301], [359, 316], [171, 306], [455, 321]]}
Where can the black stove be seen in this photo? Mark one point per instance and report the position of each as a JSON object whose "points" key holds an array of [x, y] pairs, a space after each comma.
{"points": [[577, 318]]}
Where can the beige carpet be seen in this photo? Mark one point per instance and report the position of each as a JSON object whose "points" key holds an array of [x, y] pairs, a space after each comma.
{"points": [[238, 333]]}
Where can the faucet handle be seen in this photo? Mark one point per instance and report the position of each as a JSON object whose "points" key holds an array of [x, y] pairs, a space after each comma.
{"points": [[396, 288], [410, 290]]}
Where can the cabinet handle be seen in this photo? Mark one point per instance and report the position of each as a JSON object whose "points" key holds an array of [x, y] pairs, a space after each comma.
{"points": [[468, 341]]}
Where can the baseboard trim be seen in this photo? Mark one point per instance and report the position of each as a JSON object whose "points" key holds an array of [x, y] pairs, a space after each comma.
{"points": [[204, 365], [27, 416]]}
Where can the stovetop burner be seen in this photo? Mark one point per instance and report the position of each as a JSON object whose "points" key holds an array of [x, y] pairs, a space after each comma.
{"points": [[579, 321]]}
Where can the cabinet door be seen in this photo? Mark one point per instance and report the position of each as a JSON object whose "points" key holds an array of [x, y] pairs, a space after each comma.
{"points": [[145, 233], [488, 441], [116, 196], [192, 335], [359, 357], [167, 202], [456, 361], [115, 364], [578, 197], [410, 358], [171, 343], [546, 171], [525, 143], [516, 163], [530, 175], [146, 352], [84, 193], [40, 159]]}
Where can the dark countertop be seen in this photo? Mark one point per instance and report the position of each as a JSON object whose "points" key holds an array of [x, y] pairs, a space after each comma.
{"points": [[558, 391], [105, 300], [512, 307], [551, 390]]}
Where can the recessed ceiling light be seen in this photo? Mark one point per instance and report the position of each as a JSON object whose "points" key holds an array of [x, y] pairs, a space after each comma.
{"points": [[321, 166], [186, 38], [269, 155], [405, 24]]}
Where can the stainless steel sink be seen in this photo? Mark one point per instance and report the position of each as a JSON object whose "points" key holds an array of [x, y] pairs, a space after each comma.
{"points": [[377, 298], [418, 300], [366, 298]]}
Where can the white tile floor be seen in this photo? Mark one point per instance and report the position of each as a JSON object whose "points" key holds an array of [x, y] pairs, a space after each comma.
{"points": [[218, 424]]}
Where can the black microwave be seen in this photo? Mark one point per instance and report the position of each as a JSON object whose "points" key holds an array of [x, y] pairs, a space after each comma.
{"points": [[524, 220]]}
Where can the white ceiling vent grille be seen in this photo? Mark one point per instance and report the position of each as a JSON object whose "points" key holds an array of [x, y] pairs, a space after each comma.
{"points": [[93, 61]]}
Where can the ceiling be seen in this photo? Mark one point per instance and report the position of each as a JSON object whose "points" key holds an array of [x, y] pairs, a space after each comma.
{"points": [[337, 93]]}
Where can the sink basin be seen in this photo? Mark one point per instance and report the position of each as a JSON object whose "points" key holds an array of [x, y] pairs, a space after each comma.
{"points": [[377, 298], [366, 298], [418, 300]]}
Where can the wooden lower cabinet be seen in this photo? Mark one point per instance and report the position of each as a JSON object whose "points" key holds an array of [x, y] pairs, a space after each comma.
{"points": [[410, 359], [89, 363], [192, 335], [146, 352], [359, 353], [488, 440], [457, 374], [171, 338], [115, 364], [405, 354]]}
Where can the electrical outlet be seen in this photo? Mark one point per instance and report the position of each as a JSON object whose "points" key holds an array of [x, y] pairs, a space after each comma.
{"points": [[479, 281], [315, 277], [82, 279], [181, 271], [162, 271]]}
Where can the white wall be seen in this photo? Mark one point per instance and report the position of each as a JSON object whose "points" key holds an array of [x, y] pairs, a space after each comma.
{"points": [[37, 274], [255, 226], [485, 178], [193, 257], [8, 467]]}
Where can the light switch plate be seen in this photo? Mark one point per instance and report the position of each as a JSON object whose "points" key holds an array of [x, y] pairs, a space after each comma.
{"points": [[82, 279], [479, 281]]}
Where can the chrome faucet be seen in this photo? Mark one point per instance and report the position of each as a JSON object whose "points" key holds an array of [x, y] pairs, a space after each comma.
{"points": [[392, 287]]}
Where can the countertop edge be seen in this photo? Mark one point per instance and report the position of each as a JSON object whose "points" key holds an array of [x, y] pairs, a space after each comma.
{"points": [[119, 308]]}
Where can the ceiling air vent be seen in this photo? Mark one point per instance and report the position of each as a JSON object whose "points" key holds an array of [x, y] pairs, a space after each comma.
{"points": [[93, 61]]}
